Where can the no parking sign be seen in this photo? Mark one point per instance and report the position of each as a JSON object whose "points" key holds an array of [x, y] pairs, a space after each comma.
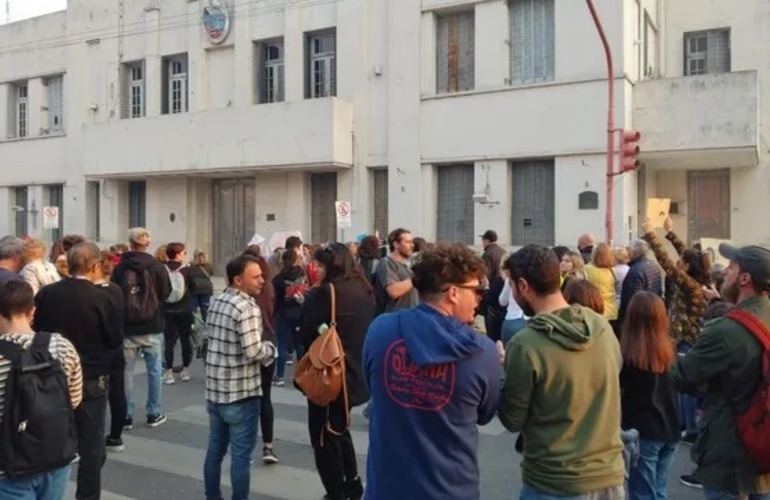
{"points": [[344, 219], [50, 217]]}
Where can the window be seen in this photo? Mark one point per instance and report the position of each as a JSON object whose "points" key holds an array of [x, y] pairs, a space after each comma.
{"points": [[175, 84], [56, 199], [271, 73], [532, 41], [707, 52], [133, 102], [93, 209], [137, 204], [55, 86], [21, 211], [455, 203], [455, 47], [322, 81], [381, 200], [21, 111]]}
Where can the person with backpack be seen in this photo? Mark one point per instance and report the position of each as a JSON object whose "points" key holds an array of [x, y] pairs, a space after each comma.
{"points": [[25, 472], [77, 309], [179, 318], [291, 285], [201, 287], [146, 286], [732, 452]]}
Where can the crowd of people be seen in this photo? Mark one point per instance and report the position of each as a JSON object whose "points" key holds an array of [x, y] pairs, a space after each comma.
{"points": [[602, 359]]}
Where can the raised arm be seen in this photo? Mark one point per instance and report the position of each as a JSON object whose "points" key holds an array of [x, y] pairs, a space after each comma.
{"points": [[671, 236]]}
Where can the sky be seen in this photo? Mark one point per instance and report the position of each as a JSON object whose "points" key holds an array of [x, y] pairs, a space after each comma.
{"points": [[22, 9]]}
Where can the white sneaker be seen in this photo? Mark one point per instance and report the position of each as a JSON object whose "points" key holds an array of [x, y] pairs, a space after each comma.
{"points": [[168, 377], [184, 376]]}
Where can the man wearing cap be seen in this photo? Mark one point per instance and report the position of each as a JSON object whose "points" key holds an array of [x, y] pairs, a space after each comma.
{"points": [[725, 366], [143, 333]]}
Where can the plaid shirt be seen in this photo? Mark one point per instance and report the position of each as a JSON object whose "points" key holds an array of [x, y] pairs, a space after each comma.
{"points": [[235, 348]]}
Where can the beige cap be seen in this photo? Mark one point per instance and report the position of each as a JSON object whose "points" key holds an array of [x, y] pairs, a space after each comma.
{"points": [[139, 236]]}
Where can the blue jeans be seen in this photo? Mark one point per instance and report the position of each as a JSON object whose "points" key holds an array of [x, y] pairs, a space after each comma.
{"points": [[614, 493], [688, 405], [200, 301], [152, 360], [511, 327], [234, 425], [48, 486], [649, 478], [288, 321], [718, 495]]}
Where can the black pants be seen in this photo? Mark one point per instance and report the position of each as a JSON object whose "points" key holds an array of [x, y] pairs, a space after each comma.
{"points": [[266, 416], [89, 417], [336, 459], [117, 395], [178, 326], [493, 322]]}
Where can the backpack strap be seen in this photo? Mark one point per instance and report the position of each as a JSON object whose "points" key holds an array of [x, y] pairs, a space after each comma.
{"points": [[334, 305], [41, 341], [751, 323], [10, 349]]}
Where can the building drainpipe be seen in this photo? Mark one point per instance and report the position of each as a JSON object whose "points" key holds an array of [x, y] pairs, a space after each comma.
{"points": [[610, 123]]}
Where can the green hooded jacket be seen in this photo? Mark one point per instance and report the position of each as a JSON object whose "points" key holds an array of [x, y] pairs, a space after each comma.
{"points": [[562, 391]]}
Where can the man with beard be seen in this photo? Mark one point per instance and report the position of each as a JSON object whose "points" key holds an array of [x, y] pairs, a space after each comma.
{"points": [[725, 365], [561, 388], [393, 276]]}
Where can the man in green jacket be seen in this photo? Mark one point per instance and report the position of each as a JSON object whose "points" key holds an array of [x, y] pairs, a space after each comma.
{"points": [[562, 388], [725, 366]]}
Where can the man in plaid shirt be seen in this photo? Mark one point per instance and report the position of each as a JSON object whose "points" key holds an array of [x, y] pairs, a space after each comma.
{"points": [[233, 386]]}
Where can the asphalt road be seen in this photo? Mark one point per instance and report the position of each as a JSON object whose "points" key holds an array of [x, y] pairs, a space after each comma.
{"points": [[167, 462]]}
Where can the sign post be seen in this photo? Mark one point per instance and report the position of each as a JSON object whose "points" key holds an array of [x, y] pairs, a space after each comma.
{"points": [[344, 217], [50, 217]]}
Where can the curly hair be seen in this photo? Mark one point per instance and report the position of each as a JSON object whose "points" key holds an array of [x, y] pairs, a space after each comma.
{"points": [[445, 264]]}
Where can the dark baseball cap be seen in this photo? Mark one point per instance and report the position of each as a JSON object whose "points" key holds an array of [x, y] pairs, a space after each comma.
{"points": [[489, 235], [754, 260]]}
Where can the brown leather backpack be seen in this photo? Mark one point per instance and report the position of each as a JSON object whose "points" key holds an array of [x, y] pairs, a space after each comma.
{"points": [[320, 374]]}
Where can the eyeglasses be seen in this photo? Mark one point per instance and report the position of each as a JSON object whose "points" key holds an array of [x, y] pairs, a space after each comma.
{"points": [[477, 289]]}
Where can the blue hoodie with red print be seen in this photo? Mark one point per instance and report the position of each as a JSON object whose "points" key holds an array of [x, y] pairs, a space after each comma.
{"points": [[432, 379]]}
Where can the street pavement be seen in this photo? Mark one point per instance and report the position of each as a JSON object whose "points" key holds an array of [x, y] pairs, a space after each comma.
{"points": [[167, 462]]}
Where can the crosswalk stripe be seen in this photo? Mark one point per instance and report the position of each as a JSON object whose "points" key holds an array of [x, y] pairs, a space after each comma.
{"points": [[278, 481], [283, 429]]}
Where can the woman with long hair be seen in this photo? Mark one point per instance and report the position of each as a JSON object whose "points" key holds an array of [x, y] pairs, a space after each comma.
{"points": [[600, 273], [290, 286], [648, 398], [691, 273], [335, 456], [572, 268], [178, 314], [369, 255], [266, 303], [37, 271]]}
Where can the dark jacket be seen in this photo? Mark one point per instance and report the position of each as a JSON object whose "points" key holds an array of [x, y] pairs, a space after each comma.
{"points": [[649, 404], [286, 284], [161, 281], [355, 312], [266, 303], [200, 280], [86, 316], [643, 275], [181, 307], [493, 258], [726, 363]]}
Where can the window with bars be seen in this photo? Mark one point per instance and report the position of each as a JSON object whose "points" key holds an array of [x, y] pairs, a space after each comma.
{"points": [[322, 65], [380, 176], [134, 85], [137, 204], [175, 81], [21, 111], [707, 52], [323, 219], [55, 86], [271, 79], [532, 41], [455, 203], [21, 211], [455, 52]]}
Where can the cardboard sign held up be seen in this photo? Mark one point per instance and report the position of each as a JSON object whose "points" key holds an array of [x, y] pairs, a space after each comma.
{"points": [[658, 210]]}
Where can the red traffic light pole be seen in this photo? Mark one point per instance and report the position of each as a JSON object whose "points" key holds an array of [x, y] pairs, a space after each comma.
{"points": [[628, 149]]}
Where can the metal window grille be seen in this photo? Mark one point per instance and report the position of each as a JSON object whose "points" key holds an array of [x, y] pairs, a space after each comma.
{"points": [[55, 87], [323, 66], [532, 41], [272, 71], [177, 85], [22, 115], [137, 204], [707, 52], [455, 203], [455, 47]]}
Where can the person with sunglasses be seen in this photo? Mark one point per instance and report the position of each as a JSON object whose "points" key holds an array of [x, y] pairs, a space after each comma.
{"points": [[432, 379]]}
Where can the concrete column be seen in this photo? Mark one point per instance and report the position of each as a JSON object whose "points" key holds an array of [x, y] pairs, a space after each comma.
{"points": [[294, 56], [36, 93], [6, 110], [6, 220], [36, 200], [493, 178]]}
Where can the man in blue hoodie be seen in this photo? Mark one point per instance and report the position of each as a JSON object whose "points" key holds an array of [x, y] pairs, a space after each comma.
{"points": [[432, 379]]}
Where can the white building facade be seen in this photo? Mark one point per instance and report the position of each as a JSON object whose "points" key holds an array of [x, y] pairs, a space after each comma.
{"points": [[448, 117]]}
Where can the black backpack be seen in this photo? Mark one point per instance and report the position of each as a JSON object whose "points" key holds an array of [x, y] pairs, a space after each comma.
{"points": [[139, 295], [38, 432], [381, 297]]}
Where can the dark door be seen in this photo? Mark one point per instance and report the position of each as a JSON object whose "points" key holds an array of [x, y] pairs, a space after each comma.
{"points": [[455, 203], [708, 204], [533, 212], [323, 193], [234, 219]]}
